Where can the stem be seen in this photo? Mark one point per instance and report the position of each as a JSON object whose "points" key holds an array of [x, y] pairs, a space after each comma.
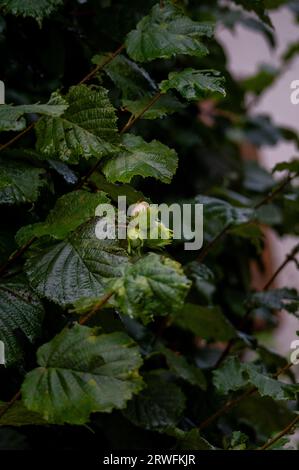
{"points": [[212, 243], [226, 407], [126, 127], [273, 194], [102, 64], [132, 121], [83, 320], [289, 257], [16, 255], [84, 80], [17, 137], [264, 201], [8, 405], [88, 175], [231, 403], [278, 436], [103, 300]]}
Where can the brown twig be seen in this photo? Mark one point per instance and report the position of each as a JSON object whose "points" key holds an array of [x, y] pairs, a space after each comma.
{"points": [[100, 66], [266, 200], [103, 300], [126, 127], [269, 198], [212, 243], [226, 407], [231, 403], [282, 433], [8, 405], [132, 121], [17, 137], [289, 257], [14, 256], [82, 321], [90, 75]]}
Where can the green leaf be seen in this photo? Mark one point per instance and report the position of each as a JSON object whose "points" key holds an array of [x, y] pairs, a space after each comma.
{"points": [[194, 84], [11, 117], [87, 128], [130, 78], [18, 415], [115, 190], [190, 440], [234, 375], [19, 182], [256, 178], [237, 441], [263, 79], [154, 285], [180, 366], [259, 7], [291, 166], [21, 315], [275, 299], [253, 233], [166, 32], [37, 9], [78, 267], [159, 406], [206, 322], [82, 371], [262, 414], [166, 104], [141, 158], [70, 211], [219, 214], [291, 51], [203, 279]]}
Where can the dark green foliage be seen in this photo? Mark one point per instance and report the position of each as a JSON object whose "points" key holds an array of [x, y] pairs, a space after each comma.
{"points": [[139, 340]]}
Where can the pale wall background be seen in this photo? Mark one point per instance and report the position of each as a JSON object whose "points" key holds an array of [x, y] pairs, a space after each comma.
{"points": [[246, 50]]}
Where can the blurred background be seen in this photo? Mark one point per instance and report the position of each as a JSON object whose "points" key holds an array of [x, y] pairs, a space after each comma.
{"points": [[246, 52]]}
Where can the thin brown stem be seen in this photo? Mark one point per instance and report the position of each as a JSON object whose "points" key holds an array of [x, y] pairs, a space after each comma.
{"points": [[269, 197], [8, 405], [212, 243], [100, 66], [282, 433], [289, 257], [226, 407], [126, 127], [231, 403], [132, 121], [90, 75], [103, 300], [15, 256], [88, 175], [266, 200], [17, 137], [227, 350], [82, 321]]}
